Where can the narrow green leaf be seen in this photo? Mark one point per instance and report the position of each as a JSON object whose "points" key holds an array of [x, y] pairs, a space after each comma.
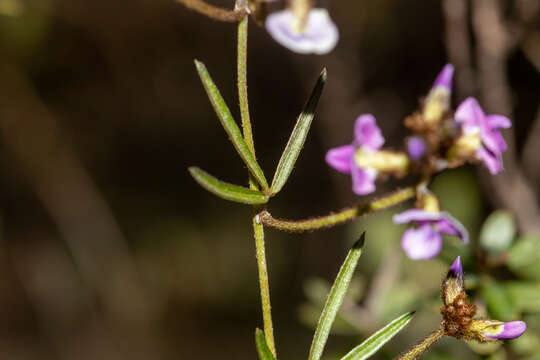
{"points": [[335, 298], [371, 345], [227, 191], [230, 126], [298, 137], [262, 348]]}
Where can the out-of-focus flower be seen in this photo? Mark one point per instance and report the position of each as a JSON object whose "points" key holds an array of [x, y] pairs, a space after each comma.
{"points": [[481, 136], [313, 33], [424, 241], [368, 139], [363, 159], [416, 147], [458, 313], [438, 99]]}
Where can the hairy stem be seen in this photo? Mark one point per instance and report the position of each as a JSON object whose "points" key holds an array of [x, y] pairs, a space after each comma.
{"points": [[214, 12], [264, 285], [339, 217], [422, 346], [258, 229]]}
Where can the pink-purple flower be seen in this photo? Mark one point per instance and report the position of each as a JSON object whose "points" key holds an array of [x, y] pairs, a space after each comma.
{"points": [[316, 34], [424, 241], [481, 133], [368, 139]]}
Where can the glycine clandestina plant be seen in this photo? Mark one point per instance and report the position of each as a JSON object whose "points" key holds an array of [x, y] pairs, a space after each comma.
{"points": [[442, 139]]}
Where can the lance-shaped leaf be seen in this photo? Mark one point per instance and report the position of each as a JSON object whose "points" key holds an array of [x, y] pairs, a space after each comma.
{"points": [[335, 298], [227, 191], [298, 137], [262, 348], [230, 126], [377, 340]]}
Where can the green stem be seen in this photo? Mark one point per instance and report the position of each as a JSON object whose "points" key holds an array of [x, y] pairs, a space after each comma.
{"points": [[339, 217], [242, 82], [422, 346], [258, 229], [265, 288], [214, 12]]}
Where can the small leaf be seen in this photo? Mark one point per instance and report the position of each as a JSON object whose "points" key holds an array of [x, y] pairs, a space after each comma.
{"points": [[227, 191], [230, 126], [335, 298], [262, 348], [298, 137], [498, 232], [377, 340]]}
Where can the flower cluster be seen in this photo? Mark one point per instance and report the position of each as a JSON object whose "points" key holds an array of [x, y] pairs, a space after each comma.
{"points": [[442, 139], [458, 313]]}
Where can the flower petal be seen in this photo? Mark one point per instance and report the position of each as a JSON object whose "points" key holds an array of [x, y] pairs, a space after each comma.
{"points": [[416, 215], [341, 158], [451, 226], [367, 133], [499, 121], [470, 115], [508, 330], [444, 79], [363, 180], [416, 147], [492, 161], [320, 35], [421, 243]]}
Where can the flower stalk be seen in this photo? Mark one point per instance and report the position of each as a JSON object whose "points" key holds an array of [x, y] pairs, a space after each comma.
{"points": [[423, 345], [339, 217], [214, 12]]}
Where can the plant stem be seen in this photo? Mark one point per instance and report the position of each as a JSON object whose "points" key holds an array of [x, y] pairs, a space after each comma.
{"points": [[339, 217], [214, 12], [265, 289], [422, 346], [242, 82], [258, 229]]}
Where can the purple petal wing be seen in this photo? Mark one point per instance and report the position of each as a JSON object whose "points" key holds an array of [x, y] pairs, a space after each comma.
{"points": [[451, 226], [444, 79], [416, 215], [363, 180], [456, 270], [499, 121], [510, 330], [341, 158], [367, 133], [492, 161], [421, 243], [493, 140]]}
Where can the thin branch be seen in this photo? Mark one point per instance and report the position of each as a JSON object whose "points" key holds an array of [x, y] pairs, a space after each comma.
{"points": [[214, 12], [423, 345], [339, 217]]}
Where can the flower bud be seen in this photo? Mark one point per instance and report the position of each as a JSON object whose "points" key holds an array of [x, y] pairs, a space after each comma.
{"points": [[438, 100], [492, 330]]}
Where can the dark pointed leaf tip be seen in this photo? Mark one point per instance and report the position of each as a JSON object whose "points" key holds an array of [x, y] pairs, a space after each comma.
{"points": [[360, 242]]}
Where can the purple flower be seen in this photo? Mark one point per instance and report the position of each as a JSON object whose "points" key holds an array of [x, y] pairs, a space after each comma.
{"points": [[438, 100], [367, 138], [425, 240], [492, 330], [319, 35], [416, 147], [475, 124]]}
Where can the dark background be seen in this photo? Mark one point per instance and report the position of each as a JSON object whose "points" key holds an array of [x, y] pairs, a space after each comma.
{"points": [[110, 250]]}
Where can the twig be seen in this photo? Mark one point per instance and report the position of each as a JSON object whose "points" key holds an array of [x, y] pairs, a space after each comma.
{"points": [[214, 12], [339, 217]]}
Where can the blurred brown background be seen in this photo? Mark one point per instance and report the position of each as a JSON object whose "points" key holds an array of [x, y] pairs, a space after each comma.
{"points": [[110, 250]]}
